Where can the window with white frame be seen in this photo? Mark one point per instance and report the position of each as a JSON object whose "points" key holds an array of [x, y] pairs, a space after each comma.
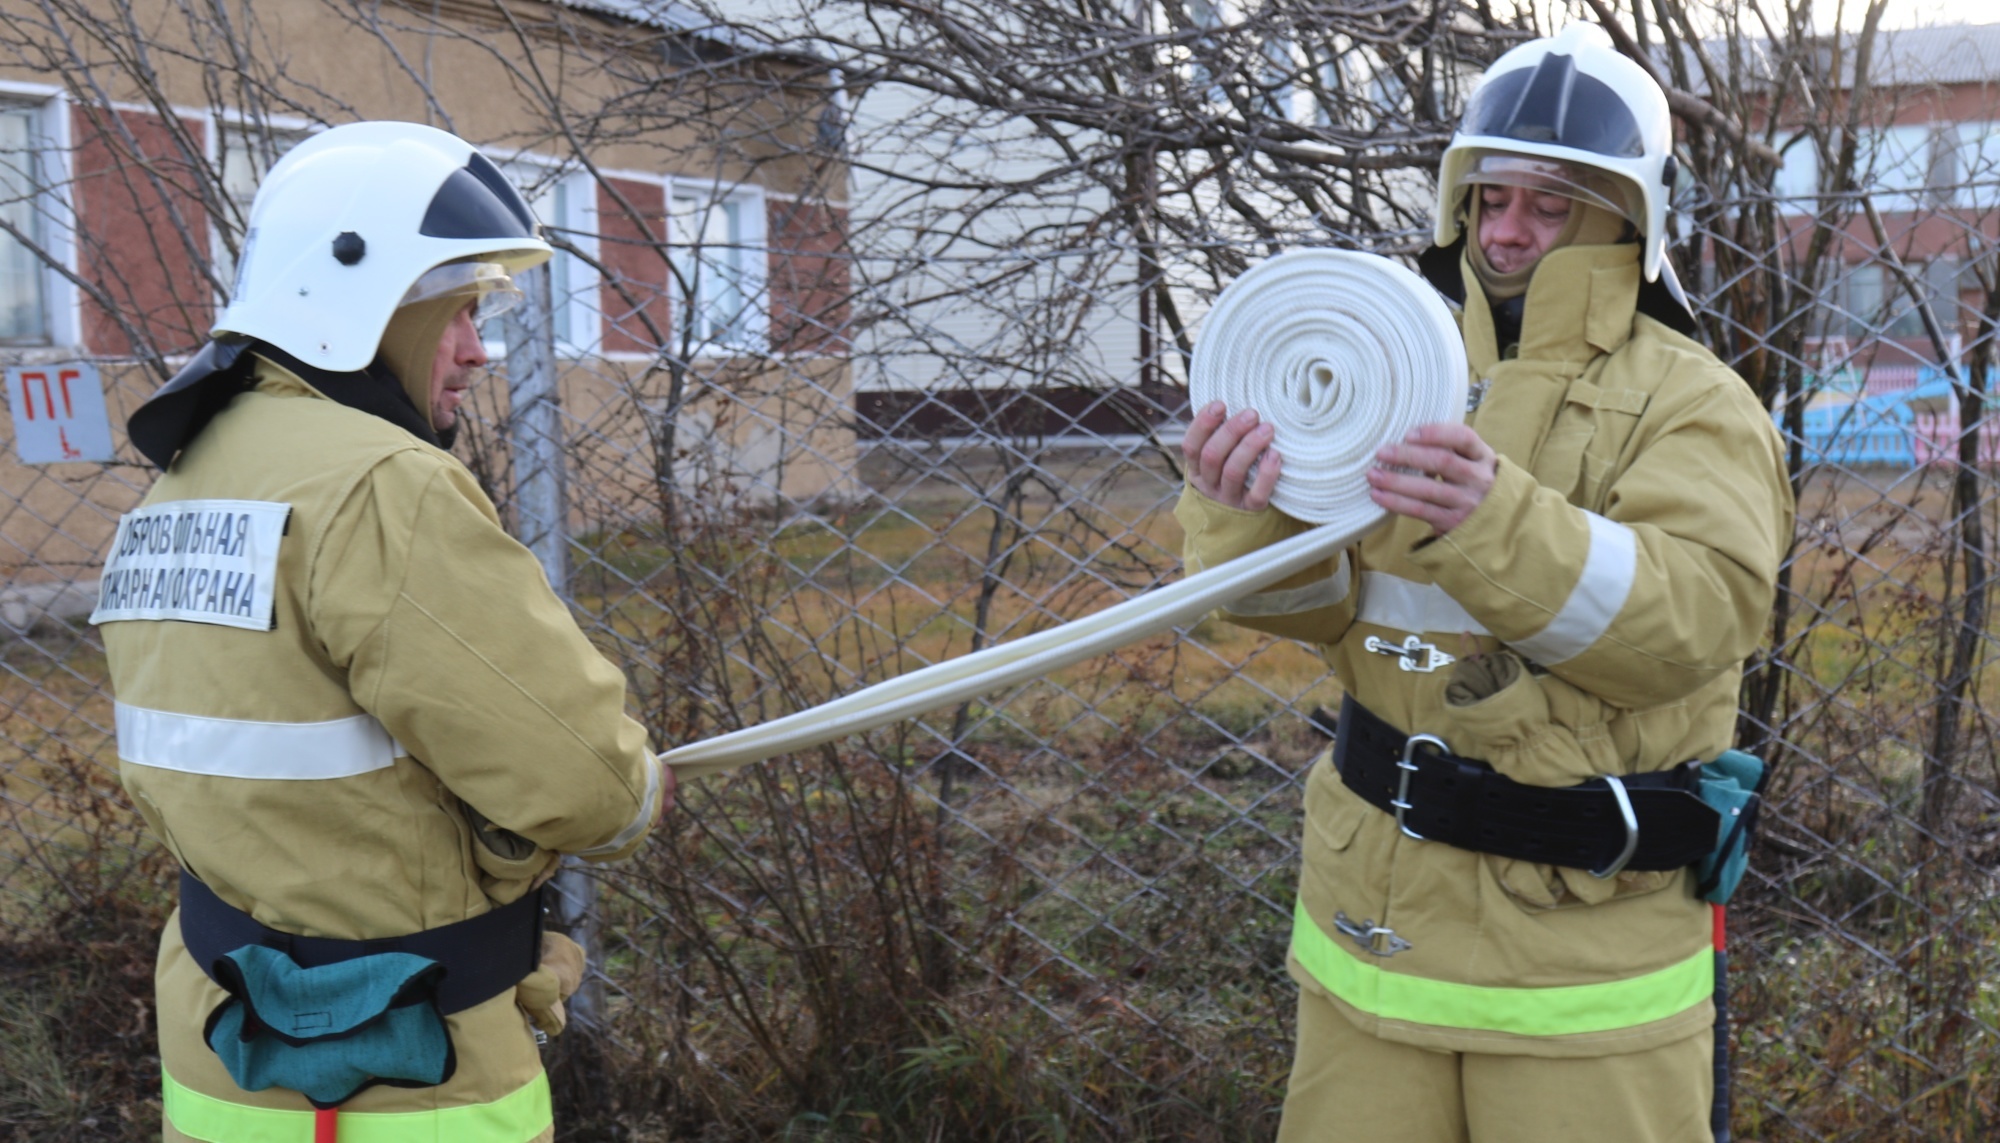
{"points": [[562, 203], [1278, 77], [246, 155], [556, 216], [1878, 306], [1798, 179], [1208, 14], [1896, 159], [1979, 164], [24, 302], [1347, 71], [717, 239], [1898, 165], [1862, 295]]}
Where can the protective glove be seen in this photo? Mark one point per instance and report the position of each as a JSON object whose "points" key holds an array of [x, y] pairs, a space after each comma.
{"points": [[541, 993], [509, 864], [1478, 677]]}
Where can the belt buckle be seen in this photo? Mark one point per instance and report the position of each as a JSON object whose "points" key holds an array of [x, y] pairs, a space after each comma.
{"points": [[1407, 764], [1412, 654]]}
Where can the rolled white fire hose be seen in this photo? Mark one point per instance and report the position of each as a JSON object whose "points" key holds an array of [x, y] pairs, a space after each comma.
{"points": [[1340, 351]]}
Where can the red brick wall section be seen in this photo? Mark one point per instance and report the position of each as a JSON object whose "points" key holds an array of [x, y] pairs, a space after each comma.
{"points": [[810, 277], [636, 278], [142, 233]]}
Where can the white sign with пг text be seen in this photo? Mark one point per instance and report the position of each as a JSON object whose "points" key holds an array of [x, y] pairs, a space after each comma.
{"points": [[58, 413], [200, 561]]}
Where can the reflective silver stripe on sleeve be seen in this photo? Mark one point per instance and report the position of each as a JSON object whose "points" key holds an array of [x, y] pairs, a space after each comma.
{"points": [[1405, 605], [239, 748], [1293, 600], [1595, 601], [648, 805]]}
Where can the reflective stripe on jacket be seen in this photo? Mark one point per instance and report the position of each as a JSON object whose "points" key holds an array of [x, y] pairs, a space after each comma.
{"points": [[521, 1116], [318, 774], [1628, 551]]}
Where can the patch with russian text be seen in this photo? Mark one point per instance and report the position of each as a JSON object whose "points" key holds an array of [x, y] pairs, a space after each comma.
{"points": [[203, 561]]}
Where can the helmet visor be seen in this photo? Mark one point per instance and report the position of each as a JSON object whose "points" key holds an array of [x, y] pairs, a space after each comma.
{"points": [[487, 281], [1553, 102], [1497, 168]]}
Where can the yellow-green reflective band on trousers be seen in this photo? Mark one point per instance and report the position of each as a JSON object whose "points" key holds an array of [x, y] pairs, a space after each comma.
{"points": [[513, 1118], [1556, 1011]]}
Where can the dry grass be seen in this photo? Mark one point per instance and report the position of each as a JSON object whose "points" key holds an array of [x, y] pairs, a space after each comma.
{"points": [[1088, 943]]}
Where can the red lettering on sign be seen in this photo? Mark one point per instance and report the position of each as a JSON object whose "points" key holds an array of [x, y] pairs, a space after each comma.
{"points": [[64, 377], [28, 392]]}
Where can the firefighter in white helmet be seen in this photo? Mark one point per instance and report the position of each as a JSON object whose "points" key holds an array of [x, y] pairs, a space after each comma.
{"points": [[1498, 936], [347, 701]]}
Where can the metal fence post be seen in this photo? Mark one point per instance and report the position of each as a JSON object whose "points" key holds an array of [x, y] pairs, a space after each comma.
{"points": [[535, 445]]}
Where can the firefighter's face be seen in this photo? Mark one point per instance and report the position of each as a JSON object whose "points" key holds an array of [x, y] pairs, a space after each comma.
{"points": [[459, 352], [1517, 225]]}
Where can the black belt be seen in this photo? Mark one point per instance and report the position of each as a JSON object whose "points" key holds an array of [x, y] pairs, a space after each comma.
{"points": [[1438, 796], [482, 957]]}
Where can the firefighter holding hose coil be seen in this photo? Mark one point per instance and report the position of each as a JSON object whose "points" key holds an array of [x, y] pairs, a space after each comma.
{"points": [[1501, 934]]}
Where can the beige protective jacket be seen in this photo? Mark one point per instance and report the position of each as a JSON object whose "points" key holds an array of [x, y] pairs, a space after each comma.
{"points": [[317, 770], [1627, 554]]}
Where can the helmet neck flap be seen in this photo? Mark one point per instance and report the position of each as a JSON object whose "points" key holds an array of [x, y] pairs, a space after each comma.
{"points": [[176, 415]]}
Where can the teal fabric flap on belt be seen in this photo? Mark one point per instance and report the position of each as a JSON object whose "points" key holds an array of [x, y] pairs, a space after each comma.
{"points": [[330, 1031], [1730, 785]]}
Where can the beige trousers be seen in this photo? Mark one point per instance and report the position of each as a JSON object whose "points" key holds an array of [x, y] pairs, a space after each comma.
{"points": [[1350, 1087]]}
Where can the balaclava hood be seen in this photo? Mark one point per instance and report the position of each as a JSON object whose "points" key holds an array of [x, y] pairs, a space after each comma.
{"points": [[1587, 225], [409, 350]]}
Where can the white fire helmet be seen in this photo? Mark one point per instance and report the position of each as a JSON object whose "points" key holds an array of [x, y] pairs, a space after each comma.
{"points": [[1571, 114], [350, 221]]}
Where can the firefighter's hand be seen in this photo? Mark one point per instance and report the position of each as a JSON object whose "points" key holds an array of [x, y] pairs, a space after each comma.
{"points": [[541, 993], [1447, 473], [1220, 450]]}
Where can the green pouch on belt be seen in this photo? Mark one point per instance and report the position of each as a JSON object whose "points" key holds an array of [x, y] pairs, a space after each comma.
{"points": [[330, 1031], [1730, 785]]}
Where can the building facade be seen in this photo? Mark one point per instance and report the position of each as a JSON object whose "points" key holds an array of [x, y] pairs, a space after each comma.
{"points": [[1928, 159], [703, 280]]}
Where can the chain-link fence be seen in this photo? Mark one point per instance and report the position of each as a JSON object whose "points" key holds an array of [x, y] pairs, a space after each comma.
{"points": [[865, 350]]}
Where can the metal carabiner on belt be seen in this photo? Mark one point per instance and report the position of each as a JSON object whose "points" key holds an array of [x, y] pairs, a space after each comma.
{"points": [[1374, 939]]}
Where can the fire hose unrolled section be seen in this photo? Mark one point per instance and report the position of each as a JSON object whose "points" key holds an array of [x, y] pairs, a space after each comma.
{"points": [[1341, 351]]}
